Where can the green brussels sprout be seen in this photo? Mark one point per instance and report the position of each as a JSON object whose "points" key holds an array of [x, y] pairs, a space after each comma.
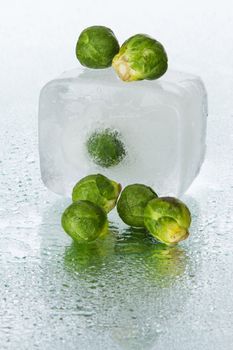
{"points": [[132, 203], [97, 189], [167, 219], [84, 221], [96, 47], [140, 57], [106, 148]]}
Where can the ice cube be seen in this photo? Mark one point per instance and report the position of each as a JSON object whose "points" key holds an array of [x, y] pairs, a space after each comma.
{"points": [[162, 124]]}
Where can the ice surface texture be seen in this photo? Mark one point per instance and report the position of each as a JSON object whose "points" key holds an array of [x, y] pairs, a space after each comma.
{"points": [[162, 125]]}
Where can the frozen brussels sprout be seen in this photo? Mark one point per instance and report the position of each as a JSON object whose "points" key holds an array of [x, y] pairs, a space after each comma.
{"points": [[96, 47], [132, 203], [106, 148], [167, 219], [140, 57], [84, 221], [97, 189]]}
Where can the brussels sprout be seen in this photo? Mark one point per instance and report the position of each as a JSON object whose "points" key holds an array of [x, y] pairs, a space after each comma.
{"points": [[84, 221], [167, 219], [140, 57], [96, 47], [97, 189], [132, 203], [106, 148]]}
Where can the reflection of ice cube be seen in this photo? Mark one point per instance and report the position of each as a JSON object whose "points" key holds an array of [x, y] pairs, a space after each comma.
{"points": [[162, 124]]}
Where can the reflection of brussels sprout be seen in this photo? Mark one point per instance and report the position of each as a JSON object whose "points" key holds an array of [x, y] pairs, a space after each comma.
{"points": [[132, 203], [140, 57], [96, 47], [133, 241], [80, 257], [164, 264], [97, 189], [106, 148], [84, 221], [167, 219]]}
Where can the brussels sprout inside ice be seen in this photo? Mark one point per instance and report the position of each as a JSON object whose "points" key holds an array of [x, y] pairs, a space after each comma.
{"points": [[97, 189], [106, 148], [167, 219], [132, 203], [140, 57], [84, 221], [96, 47]]}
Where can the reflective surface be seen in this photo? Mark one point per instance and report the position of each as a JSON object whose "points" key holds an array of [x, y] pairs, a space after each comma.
{"points": [[124, 292]]}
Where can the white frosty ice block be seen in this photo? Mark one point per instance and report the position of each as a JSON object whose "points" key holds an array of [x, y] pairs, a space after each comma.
{"points": [[162, 124]]}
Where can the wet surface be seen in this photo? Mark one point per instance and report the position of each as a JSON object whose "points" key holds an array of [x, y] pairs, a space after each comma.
{"points": [[124, 292]]}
